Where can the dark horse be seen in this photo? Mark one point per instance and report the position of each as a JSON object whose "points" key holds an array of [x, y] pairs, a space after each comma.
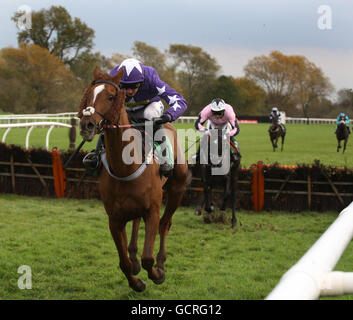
{"points": [[275, 131], [342, 134], [135, 191], [229, 180]]}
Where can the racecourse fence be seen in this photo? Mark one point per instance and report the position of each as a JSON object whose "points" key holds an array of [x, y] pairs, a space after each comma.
{"points": [[312, 276], [38, 172]]}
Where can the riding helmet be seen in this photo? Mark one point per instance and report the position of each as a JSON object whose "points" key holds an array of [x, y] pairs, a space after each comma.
{"points": [[133, 71], [218, 105]]}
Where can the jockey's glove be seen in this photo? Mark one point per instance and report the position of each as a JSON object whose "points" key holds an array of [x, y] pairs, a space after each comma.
{"points": [[163, 119]]}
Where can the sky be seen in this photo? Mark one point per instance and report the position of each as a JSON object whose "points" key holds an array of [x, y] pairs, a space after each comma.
{"points": [[231, 31]]}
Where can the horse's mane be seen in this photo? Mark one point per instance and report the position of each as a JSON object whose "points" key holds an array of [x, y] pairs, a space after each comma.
{"points": [[113, 114]]}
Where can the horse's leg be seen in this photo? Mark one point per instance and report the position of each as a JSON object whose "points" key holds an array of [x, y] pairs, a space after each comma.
{"points": [[133, 246], [206, 187], [174, 193], [339, 145], [152, 223], [198, 210], [282, 142], [117, 229], [233, 185], [344, 146], [226, 192]]}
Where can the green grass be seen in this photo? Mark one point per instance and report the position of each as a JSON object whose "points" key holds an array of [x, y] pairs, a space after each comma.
{"points": [[303, 144], [69, 248]]}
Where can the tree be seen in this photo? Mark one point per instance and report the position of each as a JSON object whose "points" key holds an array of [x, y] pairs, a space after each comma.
{"points": [[151, 56], [85, 63], [33, 80], [253, 102], [345, 98], [196, 72], [311, 85], [55, 30], [225, 88], [289, 81]]}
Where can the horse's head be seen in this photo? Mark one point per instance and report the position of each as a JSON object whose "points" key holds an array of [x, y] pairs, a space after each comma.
{"points": [[101, 102], [274, 126]]}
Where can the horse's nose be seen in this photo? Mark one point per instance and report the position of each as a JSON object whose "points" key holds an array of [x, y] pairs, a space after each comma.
{"points": [[90, 126]]}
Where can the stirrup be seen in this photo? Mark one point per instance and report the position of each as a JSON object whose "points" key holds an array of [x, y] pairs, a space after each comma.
{"points": [[91, 161]]}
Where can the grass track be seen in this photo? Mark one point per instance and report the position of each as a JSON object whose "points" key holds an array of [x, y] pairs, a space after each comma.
{"points": [[72, 255], [303, 144]]}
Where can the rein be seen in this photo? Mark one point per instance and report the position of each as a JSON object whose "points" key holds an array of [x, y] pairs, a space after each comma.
{"points": [[103, 124]]}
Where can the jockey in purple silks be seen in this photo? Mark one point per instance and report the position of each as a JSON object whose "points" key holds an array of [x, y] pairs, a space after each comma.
{"points": [[144, 91]]}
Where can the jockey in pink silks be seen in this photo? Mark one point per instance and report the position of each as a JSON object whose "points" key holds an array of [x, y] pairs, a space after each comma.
{"points": [[220, 115]]}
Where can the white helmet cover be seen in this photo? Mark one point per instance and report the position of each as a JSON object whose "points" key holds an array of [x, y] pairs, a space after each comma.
{"points": [[275, 109], [218, 105]]}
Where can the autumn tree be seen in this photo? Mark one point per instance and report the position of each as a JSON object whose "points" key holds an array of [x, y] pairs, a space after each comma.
{"points": [[253, 102], [83, 66], [196, 72], [33, 80], [55, 30], [289, 81], [152, 56]]}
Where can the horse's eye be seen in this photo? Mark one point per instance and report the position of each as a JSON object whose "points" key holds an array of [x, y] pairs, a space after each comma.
{"points": [[111, 98]]}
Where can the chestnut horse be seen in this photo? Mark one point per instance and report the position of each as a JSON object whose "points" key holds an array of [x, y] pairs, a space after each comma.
{"points": [[130, 196], [275, 133], [342, 134]]}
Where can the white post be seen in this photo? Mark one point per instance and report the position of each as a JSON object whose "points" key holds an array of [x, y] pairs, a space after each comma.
{"points": [[47, 137], [27, 136], [311, 276]]}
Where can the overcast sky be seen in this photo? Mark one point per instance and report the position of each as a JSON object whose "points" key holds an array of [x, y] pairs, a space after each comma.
{"points": [[232, 31]]}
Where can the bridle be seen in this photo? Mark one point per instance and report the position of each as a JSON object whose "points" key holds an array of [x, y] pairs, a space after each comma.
{"points": [[104, 123], [89, 111]]}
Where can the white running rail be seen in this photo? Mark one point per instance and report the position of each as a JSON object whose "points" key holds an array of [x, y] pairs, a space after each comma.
{"points": [[312, 276], [31, 126]]}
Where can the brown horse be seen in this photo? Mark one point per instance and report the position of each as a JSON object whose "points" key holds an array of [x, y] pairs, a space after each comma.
{"points": [[229, 180], [103, 108], [342, 134], [275, 133]]}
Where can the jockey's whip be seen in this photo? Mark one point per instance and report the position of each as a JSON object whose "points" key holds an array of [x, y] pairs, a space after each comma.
{"points": [[190, 147], [74, 154]]}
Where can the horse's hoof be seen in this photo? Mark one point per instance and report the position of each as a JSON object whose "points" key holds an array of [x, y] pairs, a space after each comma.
{"points": [[161, 277], [206, 219], [139, 285], [136, 268], [198, 211]]}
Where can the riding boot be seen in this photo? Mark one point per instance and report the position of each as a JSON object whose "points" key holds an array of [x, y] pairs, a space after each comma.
{"points": [[91, 160], [166, 159], [235, 156]]}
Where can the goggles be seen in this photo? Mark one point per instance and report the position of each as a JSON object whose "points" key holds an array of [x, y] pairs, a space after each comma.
{"points": [[125, 86], [218, 113]]}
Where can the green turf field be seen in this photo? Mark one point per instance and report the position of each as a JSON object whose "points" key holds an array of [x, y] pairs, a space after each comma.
{"points": [[68, 246], [303, 144]]}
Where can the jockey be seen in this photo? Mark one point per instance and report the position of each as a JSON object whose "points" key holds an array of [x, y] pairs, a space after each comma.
{"points": [[275, 116], [144, 90], [344, 117], [220, 113]]}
